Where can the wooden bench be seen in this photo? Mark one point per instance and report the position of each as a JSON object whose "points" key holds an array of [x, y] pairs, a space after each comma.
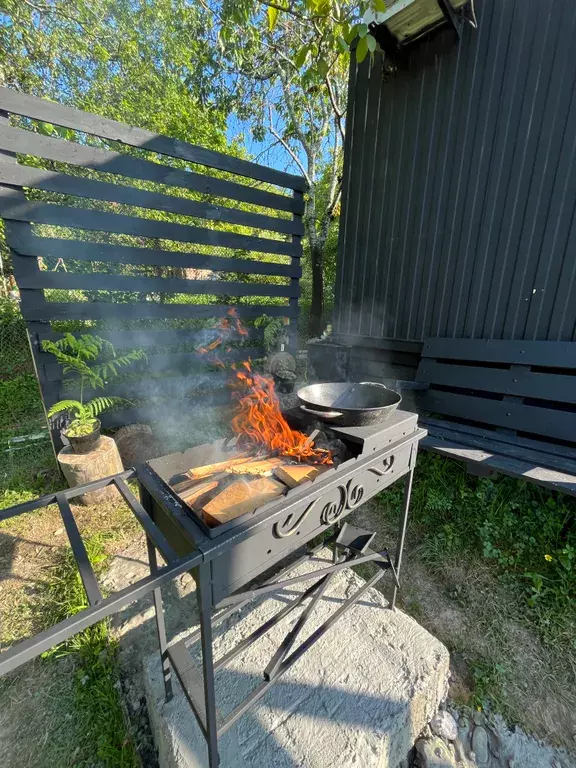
{"points": [[504, 406]]}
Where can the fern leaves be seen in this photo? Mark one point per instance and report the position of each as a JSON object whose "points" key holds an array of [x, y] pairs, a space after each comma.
{"points": [[66, 405], [79, 355], [100, 404], [110, 368]]}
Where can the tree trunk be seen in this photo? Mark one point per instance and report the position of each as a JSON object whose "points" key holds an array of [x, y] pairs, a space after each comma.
{"points": [[315, 321]]}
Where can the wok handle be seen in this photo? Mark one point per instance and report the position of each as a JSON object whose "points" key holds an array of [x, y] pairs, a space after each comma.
{"points": [[375, 384], [322, 414]]}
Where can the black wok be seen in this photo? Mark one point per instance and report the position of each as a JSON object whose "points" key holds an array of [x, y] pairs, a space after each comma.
{"points": [[349, 405]]}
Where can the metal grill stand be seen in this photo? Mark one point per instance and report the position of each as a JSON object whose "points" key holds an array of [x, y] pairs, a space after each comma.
{"points": [[351, 547]]}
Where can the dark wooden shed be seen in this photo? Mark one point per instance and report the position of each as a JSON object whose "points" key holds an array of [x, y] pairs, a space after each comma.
{"points": [[460, 194]]}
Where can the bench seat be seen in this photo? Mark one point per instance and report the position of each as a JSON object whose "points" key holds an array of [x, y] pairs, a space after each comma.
{"points": [[452, 440], [503, 406]]}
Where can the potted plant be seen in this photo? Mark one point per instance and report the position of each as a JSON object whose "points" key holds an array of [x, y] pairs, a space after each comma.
{"points": [[78, 355]]}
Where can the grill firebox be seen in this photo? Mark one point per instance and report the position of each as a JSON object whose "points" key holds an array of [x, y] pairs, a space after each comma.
{"points": [[255, 542], [239, 551]]}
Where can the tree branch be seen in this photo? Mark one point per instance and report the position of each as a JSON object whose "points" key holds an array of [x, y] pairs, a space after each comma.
{"points": [[337, 113], [286, 146], [54, 11]]}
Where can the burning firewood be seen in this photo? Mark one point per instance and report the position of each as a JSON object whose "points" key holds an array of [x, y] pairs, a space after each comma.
{"points": [[197, 473], [241, 497], [259, 466], [263, 467], [294, 474]]}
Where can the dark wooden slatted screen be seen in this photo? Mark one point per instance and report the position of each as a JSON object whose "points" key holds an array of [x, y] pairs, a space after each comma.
{"points": [[142, 239]]}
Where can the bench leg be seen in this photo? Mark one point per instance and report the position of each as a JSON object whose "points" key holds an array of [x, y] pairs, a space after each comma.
{"points": [[478, 470]]}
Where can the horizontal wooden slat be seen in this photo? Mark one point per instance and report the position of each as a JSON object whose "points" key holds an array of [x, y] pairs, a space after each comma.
{"points": [[182, 361], [395, 345], [363, 370], [502, 437], [492, 444], [103, 282], [170, 411], [27, 244], [559, 481], [541, 421], [14, 209], [50, 181], [159, 387], [524, 383], [68, 117], [553, 354], [101, 310], [161, 337], [29, 143]]}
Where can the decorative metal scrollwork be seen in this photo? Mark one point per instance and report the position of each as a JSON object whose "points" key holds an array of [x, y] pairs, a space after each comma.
{"points": [[387, 465], [355, 494], [335, 507], [289, 525]]}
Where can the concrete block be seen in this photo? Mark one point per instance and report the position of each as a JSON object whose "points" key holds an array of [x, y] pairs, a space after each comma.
{"points": [[359, 697]]}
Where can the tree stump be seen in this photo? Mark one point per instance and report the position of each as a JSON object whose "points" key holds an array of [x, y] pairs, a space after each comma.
{"points": [[136, 443], [80, 468]]}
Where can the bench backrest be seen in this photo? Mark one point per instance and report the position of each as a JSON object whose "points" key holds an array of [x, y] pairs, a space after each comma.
{"points": [[527, 387]]}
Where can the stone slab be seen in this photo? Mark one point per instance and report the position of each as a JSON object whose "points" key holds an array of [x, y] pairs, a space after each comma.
{"points": [[359, 697]]}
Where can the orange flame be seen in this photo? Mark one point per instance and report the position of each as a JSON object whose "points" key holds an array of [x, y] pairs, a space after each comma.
{"points": [[258, 421]]}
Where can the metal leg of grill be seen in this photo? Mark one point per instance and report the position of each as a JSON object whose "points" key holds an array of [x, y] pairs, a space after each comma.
{"points": [[160, 626], [146, 501], [204, 594], [402, 534]]}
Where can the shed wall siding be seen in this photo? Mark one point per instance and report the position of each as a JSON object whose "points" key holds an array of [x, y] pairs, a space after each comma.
{"points": [[460, 197]]}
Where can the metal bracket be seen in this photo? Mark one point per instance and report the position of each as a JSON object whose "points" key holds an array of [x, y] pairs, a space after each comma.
{"points": [[356, 540], [451, 16]]}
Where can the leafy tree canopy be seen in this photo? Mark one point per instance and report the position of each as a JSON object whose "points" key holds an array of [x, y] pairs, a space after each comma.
{"points": [[145, 63], [287, 62], [331, 27]]}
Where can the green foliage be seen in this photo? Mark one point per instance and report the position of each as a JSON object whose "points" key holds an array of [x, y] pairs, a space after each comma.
{"points": [[526, 532], [148, 64], [19, 400], [291, 82], [74, 353], [15, 358], [490, 685], [273, 327], [333, 26], [97, 706]]}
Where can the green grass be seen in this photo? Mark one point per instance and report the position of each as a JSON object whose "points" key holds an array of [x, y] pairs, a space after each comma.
{"points": [[97, 711], [526, 533], [19, 401], [490, 683], [27, 469]]}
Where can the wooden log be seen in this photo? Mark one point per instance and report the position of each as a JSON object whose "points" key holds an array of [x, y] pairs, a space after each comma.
{"points": [[79, 468], [260, 467], [186, 487], [294, 474], [241, 497], [193, 494], [196, 473]]}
